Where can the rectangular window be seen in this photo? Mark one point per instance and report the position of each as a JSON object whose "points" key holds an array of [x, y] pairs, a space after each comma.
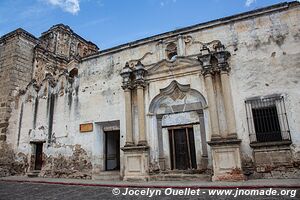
{"points": [[267, 120]]}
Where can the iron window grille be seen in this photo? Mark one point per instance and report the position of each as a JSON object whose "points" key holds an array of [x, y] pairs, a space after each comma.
{"points": [[267, 119]]}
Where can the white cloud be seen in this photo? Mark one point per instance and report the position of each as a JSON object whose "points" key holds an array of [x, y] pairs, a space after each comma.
{"points": [[71, 6], [166, 2], [249, 2]]}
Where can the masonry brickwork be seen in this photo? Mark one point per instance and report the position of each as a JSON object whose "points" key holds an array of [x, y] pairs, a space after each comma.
{"points": [[16, 67], [26, 59]]}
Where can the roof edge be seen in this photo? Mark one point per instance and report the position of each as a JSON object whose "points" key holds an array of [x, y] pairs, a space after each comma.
{"points": [[19, 31], [193, 28]]}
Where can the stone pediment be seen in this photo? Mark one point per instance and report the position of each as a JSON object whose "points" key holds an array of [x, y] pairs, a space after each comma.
{"points": [[171, 65]]}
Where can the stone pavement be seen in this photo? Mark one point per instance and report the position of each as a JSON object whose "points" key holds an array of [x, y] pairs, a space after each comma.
{"points": [[256, 183], [49, 188]]}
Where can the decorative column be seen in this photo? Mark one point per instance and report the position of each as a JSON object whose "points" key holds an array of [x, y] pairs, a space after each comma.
{"points": [[126, 73], [204, 159], [160, 142], [136, 157], [207, 72], [225, 151], [139, 73], [181, 46], [222, 57]]}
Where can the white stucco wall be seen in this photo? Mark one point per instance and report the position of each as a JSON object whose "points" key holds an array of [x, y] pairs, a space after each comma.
{"points": [[265, 59]]}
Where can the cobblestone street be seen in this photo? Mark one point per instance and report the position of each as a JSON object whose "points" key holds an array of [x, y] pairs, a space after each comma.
{"points": [[26, 191]]}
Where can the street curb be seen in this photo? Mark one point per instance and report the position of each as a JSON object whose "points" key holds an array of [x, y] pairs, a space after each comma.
{"points": [[155, 186]]}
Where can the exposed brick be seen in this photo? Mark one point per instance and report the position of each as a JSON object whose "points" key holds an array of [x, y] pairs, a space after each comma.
{"points": [[3, 125], [2, 137]]}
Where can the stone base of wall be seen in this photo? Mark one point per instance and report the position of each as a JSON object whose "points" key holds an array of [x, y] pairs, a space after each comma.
{"points": [[274, 160], [10, 163], [76, 166], [181, 175], [280, 172]]}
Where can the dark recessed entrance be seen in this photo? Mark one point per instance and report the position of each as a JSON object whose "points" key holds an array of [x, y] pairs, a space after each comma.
{"points": [[38, 156], [182, 148], [112, 150]]}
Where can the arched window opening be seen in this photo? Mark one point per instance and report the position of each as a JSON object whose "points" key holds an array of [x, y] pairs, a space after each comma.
{"points": [[73, 73], [171, 51]]}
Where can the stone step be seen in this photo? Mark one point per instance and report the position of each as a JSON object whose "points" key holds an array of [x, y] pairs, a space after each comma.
{"points": [[108, 176], [180, 177], [34, 173]]}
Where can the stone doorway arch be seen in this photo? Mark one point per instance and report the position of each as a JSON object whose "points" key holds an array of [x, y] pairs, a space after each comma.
{"points": [[178, 105]]}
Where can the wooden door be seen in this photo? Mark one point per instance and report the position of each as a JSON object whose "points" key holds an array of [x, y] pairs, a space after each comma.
{"points": [[38, 156], [182, 148], [112, 149]]}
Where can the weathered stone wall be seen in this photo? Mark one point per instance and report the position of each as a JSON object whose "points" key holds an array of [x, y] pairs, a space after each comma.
{"points": [[53, 107], [16, 61], [265, 59], [78, 165], [64, 49], [11, 163], [22, 60]]}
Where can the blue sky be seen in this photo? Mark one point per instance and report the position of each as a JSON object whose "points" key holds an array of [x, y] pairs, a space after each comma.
{"points": [[108, 23]]}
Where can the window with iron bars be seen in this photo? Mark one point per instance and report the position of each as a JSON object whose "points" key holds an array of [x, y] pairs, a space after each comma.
{"points": [[267, 119]]}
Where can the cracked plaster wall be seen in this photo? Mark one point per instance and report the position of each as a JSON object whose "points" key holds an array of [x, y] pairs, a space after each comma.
{"points": [[265, 59]]}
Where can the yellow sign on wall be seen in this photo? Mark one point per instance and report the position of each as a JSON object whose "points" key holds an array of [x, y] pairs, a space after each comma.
{"points": [[86, 127]]}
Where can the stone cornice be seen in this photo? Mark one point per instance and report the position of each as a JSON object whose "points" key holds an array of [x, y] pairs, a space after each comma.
{"points": [[224, 141]]}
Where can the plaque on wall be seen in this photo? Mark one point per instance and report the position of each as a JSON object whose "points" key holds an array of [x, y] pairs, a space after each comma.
{"points": [[86, 127]]}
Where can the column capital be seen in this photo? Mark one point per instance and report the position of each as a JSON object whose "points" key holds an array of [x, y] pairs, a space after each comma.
{"points": [[139, 73], [207, 74], [205, 59], [126, 75], [222, 56], [139, 84], [207, 70], [127, 88], [224, 68]]}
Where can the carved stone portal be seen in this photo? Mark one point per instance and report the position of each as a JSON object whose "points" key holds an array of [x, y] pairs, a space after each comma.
{"points": [[178, 105]]}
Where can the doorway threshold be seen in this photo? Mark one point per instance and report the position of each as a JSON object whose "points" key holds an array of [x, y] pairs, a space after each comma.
{"points": [[107, 176]]}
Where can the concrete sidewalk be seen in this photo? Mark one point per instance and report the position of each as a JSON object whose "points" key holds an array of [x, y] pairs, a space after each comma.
{"points": [[258, 183]]}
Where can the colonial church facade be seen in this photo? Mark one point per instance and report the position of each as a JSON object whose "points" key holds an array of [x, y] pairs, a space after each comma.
{"points": [[215, 101]]}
